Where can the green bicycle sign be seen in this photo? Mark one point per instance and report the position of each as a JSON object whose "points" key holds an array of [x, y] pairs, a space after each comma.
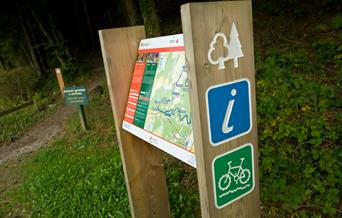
{"points": [[233, 174]]}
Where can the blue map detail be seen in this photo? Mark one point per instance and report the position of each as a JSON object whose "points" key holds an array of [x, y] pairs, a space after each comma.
{"points": [[182, 115]]}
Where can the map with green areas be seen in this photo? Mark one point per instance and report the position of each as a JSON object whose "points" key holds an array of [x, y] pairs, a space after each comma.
{"points": [[169, 113]]}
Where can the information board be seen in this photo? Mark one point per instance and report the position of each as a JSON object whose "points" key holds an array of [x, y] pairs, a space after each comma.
{"points": [[75, 95], [158, 106]]}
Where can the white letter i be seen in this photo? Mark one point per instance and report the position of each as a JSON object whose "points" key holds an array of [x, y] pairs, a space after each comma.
{"points": [[225, 128]]}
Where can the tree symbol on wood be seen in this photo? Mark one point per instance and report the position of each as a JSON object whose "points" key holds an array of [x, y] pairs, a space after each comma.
{"points": [[220, 61], [235, 51], [234, 48]]}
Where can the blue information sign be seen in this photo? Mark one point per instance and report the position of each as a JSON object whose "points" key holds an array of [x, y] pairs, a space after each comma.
{"points": [[229, 111]]}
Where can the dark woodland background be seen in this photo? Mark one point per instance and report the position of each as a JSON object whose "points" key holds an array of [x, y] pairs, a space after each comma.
{"points": [[45, 34]]}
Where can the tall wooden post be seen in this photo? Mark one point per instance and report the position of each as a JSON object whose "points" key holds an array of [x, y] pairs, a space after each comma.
{"points": [[218, 40], [60, 80], [142, 163]]}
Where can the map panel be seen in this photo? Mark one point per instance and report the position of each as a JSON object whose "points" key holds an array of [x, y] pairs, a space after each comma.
{"points": [[158, 106], [169, 113]]}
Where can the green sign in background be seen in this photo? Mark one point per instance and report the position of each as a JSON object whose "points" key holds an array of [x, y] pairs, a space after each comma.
{"points": [[233, 175], [75, 95]]}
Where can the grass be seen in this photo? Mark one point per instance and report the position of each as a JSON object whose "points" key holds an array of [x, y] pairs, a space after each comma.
{"points": [[183, 188], [82, 180], [15, 124], [80, 175]]}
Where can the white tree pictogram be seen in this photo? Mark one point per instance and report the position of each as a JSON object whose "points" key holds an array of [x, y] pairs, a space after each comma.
{"points": [[235, 50], [220, 61]]}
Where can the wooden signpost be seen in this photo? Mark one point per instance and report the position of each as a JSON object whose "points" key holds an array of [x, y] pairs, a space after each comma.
{"points": [[142, 163], [60, 79], [74, 96], [218, 40]]}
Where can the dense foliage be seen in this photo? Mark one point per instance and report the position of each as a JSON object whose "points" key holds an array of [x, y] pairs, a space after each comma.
{"points": [[299, 125]]}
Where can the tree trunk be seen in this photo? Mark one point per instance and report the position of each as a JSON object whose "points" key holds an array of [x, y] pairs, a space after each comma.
{"points": [[19, 87], [27, 55], [150, 17], [131, 12], [32, 35], [1, 65], [32, 56], [79, 24], [48, 37], [90, 29]]}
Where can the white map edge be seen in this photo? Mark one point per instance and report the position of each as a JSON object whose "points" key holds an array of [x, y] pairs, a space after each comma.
{"points": [[170, 41], [170, 148]]}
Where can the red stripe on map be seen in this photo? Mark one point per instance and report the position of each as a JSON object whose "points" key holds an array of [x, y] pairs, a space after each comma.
{"points": [[133, 95], [168, 49]]}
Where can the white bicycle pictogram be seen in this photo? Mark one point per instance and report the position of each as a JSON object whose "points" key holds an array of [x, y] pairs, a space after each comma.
{"points": [[242, 176]]}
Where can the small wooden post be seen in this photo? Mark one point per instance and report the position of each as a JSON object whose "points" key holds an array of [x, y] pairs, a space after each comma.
{"points": [[83, 118], [142, 163], [227, 27], [60, 80]]}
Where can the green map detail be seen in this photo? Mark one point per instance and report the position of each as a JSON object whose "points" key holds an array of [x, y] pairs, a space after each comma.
{"points": [[169, 114], [145, 93]]}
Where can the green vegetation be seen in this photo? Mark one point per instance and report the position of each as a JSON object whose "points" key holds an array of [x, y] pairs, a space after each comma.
{"points": [[299, 133], [77, 180], [183, 189], [20, 85], [16, 86], [299, 126], [298, 137], [80, 174], [15, 124]]}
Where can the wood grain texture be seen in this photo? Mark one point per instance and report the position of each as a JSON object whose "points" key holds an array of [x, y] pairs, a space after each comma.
{"points": [[142, 163], [200, 22]]}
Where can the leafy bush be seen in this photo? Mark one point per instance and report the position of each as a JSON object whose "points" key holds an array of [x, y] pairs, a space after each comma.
{"points": [[326, 50], [300, 167], [336, 22]]}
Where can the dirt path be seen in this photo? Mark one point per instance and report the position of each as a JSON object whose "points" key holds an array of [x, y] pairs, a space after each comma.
{"points": [[45, 131], [41, 134]]}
